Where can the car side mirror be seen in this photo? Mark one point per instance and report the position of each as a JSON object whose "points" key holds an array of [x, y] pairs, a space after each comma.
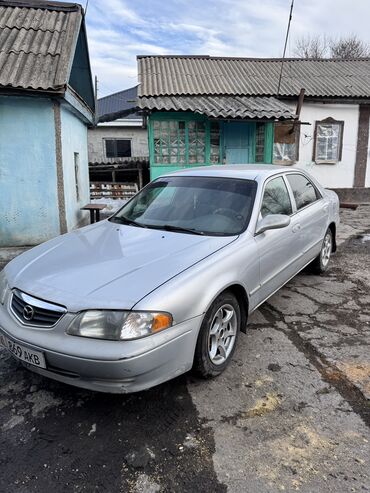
{"points": [[273, 221]]}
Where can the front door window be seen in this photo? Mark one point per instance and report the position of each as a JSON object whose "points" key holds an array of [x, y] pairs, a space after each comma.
{"points": [[276, 198]]}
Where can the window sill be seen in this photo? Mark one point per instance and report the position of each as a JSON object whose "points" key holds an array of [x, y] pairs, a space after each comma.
{"points": [[326, 162], [284, 163]]}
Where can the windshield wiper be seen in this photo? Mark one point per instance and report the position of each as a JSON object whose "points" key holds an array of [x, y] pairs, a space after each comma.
{"points": [[171, 227], [126, 220]]}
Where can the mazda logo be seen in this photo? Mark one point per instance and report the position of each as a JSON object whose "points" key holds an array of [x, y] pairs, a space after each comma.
{"points": [[28, 312]]}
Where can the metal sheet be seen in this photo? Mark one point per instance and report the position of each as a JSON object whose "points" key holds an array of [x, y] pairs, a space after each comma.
{"points": [[240, 107], [204, 75], [36, 44], [119, 104]]}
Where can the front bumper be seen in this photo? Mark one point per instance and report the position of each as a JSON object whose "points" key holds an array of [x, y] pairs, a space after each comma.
{"points": [[107, 366]]}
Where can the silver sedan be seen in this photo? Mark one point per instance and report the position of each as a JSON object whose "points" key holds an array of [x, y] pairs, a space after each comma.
{"points": [[168, 282]]}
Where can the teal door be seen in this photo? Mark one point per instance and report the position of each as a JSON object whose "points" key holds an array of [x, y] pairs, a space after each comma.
{"points": [[239, 142]]}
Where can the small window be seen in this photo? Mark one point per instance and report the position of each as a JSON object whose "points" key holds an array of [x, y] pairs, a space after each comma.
{"points": [[276, 198], [260, 142], [117, 148], [77, 174], [303, 190], [286, 143], [328, 141]]}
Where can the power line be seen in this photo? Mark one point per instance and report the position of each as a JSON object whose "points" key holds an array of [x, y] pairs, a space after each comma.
{"points": [[285, 45]]}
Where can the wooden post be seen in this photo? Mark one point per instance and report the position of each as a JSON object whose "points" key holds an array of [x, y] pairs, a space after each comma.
{"points": [[96, 101], [300, 103], [140, 170]]}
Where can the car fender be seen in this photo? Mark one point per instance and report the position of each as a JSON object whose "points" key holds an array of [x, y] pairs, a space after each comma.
{"points": [[192, 292]]}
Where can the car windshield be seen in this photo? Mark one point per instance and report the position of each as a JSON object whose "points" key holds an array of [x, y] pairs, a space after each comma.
{"points": [[194, 205]]}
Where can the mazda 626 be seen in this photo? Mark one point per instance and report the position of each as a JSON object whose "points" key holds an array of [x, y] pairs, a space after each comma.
{"points": [[167, 283]]}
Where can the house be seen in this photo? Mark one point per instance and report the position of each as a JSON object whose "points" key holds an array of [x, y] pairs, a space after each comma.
{"points": [[118, 147], [46, 105], [119, 133], [204, 110]]}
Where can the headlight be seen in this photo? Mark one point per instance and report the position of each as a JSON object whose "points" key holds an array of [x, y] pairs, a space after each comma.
{"points": [[3, 287], [118, 325]]}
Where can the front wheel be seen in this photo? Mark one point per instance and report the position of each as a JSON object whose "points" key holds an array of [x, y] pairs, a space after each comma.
{"points": [[321, 262], [218, 336]]}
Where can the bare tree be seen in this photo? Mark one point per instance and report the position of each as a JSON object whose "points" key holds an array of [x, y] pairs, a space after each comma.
{"points": [[349, 47], [319, 46], [312, 47]]}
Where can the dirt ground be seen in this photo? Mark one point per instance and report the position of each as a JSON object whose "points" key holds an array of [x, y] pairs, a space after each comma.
{"points": [[292, 413]]}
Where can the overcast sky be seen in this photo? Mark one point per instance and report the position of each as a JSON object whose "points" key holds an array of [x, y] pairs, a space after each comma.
{"points": [[118, 30]]}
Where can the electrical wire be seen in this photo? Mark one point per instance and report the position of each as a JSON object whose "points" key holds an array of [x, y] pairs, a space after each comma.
{"points": [[285, 45]]}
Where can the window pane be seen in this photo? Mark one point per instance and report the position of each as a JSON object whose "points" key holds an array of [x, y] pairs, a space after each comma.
{"points": [[286, 141], [327, 141], [123, 148], [260, 142], [276, 198], [215, 142], [284, 152], [173, 129], [117, 148], [172, 138], [303, 190], [169, 142], [197, 142], [110, 148]]}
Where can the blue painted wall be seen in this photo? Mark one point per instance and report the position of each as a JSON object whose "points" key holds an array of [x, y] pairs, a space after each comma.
{"points": [[28, 182], [74, 140]]}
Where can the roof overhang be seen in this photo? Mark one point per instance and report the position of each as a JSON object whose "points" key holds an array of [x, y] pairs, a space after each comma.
{"points": [[222, 107], [78, 106]]}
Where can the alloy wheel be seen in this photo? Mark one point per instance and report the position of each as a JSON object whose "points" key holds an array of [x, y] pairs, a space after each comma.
{"points": [[222, 334], [326, 249]]}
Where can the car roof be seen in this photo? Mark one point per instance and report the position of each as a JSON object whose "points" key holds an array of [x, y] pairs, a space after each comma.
{"points": [[246, 171]]}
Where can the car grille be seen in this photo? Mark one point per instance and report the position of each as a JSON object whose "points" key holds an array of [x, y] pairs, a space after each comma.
{"points": [[32, 311]]}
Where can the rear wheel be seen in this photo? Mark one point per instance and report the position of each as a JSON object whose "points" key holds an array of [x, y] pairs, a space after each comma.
{"points": [[218, 336], [321, 262]]}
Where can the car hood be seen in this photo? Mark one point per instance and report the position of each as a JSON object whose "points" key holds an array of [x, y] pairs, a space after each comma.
{"points": [[107, 265]]}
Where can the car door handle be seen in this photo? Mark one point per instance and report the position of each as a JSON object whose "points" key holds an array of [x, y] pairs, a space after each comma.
{"points": [[296, 228]]}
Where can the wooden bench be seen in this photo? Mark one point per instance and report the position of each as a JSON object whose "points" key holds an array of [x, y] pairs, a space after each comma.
{"points": [[94, 210]]}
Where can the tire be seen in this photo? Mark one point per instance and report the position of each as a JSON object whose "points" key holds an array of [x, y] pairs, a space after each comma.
{"points": [[215, 349], [321, 262]]}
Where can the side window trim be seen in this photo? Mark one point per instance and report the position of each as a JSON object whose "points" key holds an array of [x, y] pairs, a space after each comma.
{"points": [[295, 209], [291, 195]]}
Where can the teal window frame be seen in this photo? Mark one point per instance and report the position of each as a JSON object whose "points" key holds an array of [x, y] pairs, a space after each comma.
{"points": [[183, 117], [187, 117]]}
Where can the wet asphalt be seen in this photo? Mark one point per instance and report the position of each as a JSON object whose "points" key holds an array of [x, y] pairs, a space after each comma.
{"points": [[291, 413]]}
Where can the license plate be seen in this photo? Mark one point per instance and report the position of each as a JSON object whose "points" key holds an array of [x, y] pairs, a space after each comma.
{"points": [[25, 354]]}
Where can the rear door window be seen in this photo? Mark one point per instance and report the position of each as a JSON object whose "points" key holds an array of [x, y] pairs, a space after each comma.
{"points": [[276, 198], [304, 191]]}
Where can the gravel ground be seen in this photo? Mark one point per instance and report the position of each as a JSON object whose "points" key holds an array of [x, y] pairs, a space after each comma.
{"points": [[290, 414]]}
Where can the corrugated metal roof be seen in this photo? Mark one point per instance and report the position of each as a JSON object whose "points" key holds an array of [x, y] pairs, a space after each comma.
{"points": [[118, 105], [204, 75], [37, 42], [221, 106]]}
